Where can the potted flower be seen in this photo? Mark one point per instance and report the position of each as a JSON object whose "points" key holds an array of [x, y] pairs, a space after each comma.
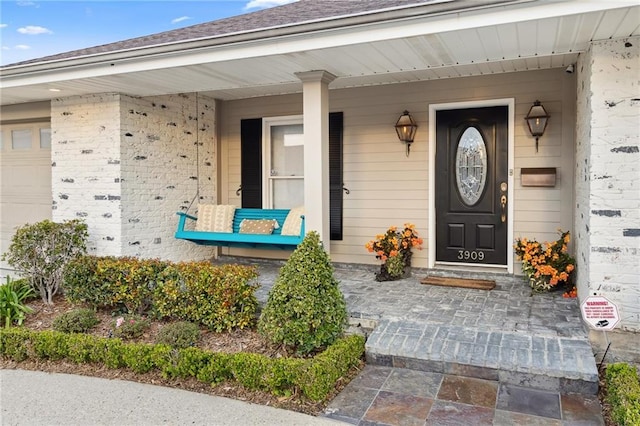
{"points": [[546, 266], [393, 248]]}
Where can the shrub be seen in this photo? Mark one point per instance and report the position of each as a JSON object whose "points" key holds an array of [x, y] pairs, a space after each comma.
{"points": [[13, 294], [623, 393], [76, 321], [41, 251], [315, 377], [305, 309], [112, 281], [181, 334], [84, 281], [134, 282], [129, 326], [218, 297]]}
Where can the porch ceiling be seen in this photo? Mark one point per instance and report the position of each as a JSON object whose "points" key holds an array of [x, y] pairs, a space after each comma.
{"points": [[404, 54]]}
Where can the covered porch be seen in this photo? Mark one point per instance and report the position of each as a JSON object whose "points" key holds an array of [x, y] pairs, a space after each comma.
{"points": [[140, 129]]}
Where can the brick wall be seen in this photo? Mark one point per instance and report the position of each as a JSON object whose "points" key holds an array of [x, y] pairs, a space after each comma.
{"points": [[127, 165], [85, 172], [608, 175]]}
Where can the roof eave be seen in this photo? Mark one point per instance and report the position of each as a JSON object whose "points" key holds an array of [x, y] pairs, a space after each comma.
{"points": [[438, 8]]}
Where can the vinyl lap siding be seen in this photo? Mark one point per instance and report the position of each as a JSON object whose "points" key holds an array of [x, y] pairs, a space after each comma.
{"points": [[388, 188]]}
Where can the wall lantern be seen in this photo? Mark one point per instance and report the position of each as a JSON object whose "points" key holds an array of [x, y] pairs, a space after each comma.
{"points": [[406, 129], [537, 119]]}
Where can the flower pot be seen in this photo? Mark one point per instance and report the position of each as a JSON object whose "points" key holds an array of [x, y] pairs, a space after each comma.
{"points": [[384, 274]]}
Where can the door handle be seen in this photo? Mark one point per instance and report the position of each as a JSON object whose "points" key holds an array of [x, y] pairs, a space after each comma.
{"points": [[503, 206], [238, 191]]}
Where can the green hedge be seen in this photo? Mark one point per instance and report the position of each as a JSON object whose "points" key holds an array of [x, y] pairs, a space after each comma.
{"points": [[315, 377], [623, 393], [110, 281], [218, 297]]}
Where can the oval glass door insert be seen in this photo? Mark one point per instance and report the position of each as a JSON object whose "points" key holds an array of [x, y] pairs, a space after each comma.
{"points": [[471, 166]]}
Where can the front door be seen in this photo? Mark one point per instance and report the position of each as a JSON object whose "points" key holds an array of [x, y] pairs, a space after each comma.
{"points": [[471, 185]]}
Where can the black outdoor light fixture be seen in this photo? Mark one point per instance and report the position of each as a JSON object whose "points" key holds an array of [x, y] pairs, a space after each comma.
{"points": [[537, 119], [406, 129]]}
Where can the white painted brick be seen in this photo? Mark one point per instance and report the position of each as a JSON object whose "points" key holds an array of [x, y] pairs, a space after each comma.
{"points": [[134, 174], [607, 175]]}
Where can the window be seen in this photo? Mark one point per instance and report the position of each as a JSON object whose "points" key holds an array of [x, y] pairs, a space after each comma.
{"points": [[252, 165], [25, 137], [284, 165], [21, 139], [45, 138]]}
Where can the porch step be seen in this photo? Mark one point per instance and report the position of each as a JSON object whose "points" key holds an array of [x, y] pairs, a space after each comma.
{"points": [[553, 363]]}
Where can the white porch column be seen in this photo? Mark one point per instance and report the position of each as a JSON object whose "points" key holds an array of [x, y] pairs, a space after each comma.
{"points": [[315, 89]]}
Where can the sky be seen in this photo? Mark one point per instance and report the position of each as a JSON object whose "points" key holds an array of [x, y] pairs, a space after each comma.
{"points": [[33, 29]]}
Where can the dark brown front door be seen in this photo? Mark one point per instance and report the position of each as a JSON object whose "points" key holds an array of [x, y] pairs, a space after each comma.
{"points": [[471, 185]]}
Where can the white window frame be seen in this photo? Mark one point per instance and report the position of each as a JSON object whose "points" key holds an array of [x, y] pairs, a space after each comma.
{"points": [[6, 136], [267, 179]]}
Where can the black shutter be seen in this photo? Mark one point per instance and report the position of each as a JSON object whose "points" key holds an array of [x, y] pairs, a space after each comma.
{"points": [[251, 162], [335, 175]]}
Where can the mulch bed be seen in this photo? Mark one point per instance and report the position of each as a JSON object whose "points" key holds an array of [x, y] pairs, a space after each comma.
{"points": [[247, 340]]}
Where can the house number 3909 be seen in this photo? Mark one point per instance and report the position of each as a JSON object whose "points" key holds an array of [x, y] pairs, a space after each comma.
{"points": [[470, 255]]}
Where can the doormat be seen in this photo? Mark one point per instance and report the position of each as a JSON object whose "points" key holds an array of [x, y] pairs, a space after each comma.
{"points": [[459, 282]]}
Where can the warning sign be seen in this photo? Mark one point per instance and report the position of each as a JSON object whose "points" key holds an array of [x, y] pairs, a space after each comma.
{"points": [[600, 313]]}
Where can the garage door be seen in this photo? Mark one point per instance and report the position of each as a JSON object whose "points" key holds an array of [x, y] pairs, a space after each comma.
{"points": [[25, 179]]}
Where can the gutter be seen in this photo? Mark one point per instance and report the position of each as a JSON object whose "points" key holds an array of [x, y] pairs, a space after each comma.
{"points": [[184, 47]]}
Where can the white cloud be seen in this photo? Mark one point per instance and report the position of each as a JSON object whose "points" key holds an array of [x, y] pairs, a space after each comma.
{"points": [[34, 30], [27, 4], [6, 48], [180, 19], [265, 4], [23, 47], [3, 25]]}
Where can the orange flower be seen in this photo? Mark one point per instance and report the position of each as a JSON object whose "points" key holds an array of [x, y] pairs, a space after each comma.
{"points": [[394, 242], [545, 264]]}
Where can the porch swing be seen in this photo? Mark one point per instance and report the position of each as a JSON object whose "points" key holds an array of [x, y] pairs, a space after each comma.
{"points": [[229, 226]]}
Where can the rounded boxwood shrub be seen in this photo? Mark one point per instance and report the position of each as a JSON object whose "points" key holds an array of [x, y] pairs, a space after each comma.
{"points": [[181, 334], [305, 310], [76, 321]]}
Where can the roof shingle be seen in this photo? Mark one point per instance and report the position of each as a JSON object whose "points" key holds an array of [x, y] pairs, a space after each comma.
{"points": [[302, 11]]}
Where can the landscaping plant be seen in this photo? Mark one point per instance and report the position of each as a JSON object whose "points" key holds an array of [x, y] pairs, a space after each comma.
{"points": [[393, 248], [181, 334], [77, 321], [545, 266], [623, 393], [13, 294], [129, 327], [219, 297], [305, 310], [40, 251]]}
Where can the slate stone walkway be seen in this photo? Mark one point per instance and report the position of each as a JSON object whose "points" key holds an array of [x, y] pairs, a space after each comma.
{"points": [[447, 355], [397, 396]]}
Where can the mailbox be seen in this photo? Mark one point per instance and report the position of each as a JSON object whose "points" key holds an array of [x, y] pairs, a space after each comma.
{"points": [[538, 176]]}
